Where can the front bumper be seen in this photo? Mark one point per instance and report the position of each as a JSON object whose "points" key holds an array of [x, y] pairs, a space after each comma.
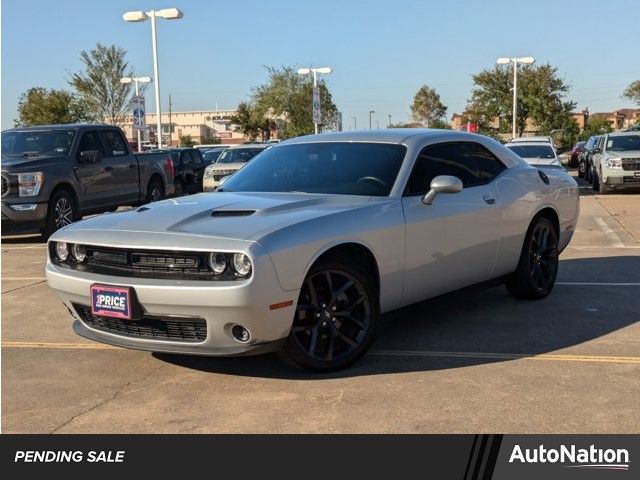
{"points": [[221, 304], [619, 178], [35, 216], [209, 184]]}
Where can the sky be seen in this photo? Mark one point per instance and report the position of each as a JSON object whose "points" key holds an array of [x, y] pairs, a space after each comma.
{"points": [[381, 52]]}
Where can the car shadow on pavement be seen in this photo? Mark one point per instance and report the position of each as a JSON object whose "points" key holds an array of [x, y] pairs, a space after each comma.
{"points": [[473, 327]]}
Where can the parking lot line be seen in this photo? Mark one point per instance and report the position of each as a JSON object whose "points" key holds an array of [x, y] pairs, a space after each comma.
{"points": [[508, 356], [386, 353], [613, 238], [23, 248]]}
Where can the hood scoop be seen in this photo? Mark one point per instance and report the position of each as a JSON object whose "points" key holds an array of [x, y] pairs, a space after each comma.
{"points": [[232, 213]]}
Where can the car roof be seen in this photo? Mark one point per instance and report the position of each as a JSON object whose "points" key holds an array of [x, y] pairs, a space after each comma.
{"points": [[61, 126], [529, 144], [530, 139], [390, 135]]}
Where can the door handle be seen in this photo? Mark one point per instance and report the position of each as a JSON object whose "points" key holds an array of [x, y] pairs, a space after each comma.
{"points": [[489, 199], [108, 169]]}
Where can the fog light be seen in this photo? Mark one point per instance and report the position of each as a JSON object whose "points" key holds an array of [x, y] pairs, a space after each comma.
{"points": [[240, 333], [242, 264], [62, 251], [79, 252], [217, 262]]}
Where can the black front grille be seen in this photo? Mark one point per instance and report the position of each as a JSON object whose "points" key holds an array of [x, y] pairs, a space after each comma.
{"points": [[159, 264], [185, 329], [5, 186], [631, 163]]}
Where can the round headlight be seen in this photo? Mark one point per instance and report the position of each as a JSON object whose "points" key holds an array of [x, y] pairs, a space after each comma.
{"points": [[62, 251], [79, 252], [242, 264], [217, 262]]}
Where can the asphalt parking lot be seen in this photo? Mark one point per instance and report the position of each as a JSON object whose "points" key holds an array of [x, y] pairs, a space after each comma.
{"points": [[467, 362]]}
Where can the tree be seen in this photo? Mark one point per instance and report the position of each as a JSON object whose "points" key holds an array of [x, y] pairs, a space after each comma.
{"points": [[286, 99], [40, 106], [252, 122], [427, 106], [632, 92], [540, 99], [99, 86], [596, 126], [186, 141]]}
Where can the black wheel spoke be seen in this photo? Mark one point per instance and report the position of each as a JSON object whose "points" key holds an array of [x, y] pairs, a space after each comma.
{"points": [[340, 291], [313, 295], [344, 338]]}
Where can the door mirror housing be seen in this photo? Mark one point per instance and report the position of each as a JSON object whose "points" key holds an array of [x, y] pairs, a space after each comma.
{"points": [[597, 150], [89, 156], [442, 184]]}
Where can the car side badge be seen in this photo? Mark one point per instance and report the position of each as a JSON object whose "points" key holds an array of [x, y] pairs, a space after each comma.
{"points": [[543, 177]]}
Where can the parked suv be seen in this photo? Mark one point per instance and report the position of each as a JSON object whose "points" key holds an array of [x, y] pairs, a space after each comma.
{"points": [[54, 174], [616, 162], [228, 163]]}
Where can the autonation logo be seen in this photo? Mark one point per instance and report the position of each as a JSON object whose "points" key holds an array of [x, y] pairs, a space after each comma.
{"points": [[574, 457]]}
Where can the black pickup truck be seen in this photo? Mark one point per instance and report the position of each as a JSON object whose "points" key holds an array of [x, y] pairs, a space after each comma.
{"points": [[54, 174]]}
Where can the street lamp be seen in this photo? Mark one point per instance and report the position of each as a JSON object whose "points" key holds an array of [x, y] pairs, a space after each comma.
{"points": [[355, 125], [136, 81], [140, 16], [389, 120], [515, 61], [371, 112], [315, 72]]}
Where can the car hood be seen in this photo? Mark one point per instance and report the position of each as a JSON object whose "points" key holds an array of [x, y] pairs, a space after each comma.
{"points": [[226, 166], [541, 161], [24, 164], [223, 215]]}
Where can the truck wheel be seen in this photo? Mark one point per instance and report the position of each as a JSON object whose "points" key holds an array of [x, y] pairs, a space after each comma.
{"points": [[595, 182], [155, 190], [62, 211], [538, 265], [336, 317]]}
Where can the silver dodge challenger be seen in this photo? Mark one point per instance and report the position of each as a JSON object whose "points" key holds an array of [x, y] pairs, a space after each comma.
{"points": [[303, 249]]}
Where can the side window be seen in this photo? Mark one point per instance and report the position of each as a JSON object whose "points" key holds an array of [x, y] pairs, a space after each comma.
{"points": [[470, 162], [487, 165], [187, 158], [113, 143], [90, 141], [197, 157]]}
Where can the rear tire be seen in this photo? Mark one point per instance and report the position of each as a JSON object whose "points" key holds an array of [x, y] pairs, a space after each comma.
{"points": [[538, 265], [582, 170], [336, 319], [62, 211], [155, 190], [602, 188]]}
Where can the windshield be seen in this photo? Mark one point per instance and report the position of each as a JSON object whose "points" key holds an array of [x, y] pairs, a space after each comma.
{"points": [[532, 151], [339, 168], [236, 155], [211, 156], [37, 142], [623, 143]]}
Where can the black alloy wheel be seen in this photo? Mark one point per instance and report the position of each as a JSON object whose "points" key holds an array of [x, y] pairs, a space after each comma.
{"points": [[335, 318], [538, 266], [61, 212]]}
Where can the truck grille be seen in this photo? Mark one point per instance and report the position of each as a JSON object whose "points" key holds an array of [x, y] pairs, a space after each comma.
{"points": [[5, 186], [185, 329], [156, 264], [628, 164]]}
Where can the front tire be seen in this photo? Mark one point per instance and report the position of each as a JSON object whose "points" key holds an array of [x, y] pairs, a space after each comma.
{"points": [[62, 211], [538, 265], [336, 317]]}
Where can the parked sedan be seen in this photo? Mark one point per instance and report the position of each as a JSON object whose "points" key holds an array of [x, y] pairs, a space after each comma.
{"points": [[574, 154], [303, 249], [536, 153]]}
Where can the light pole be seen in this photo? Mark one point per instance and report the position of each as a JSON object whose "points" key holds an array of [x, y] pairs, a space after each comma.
{"points": [[140, 16], [136, 81], [314, 72], [389, 120], [515, 61], [355, 125], [371, 112]]}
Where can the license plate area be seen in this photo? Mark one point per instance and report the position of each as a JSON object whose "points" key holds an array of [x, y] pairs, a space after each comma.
{"points": [[113, 301]]}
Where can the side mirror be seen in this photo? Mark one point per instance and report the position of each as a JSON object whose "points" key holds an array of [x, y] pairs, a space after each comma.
{"points": [[442, 184], [597, 150], [89, 156]]}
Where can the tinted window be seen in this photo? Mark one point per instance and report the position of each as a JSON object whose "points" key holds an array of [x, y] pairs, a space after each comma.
{"points": [[623, 143], [470, 162], [533, 151], [114, 144], [187, 158], [331, 167], [235, 155], [90, 141]]}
